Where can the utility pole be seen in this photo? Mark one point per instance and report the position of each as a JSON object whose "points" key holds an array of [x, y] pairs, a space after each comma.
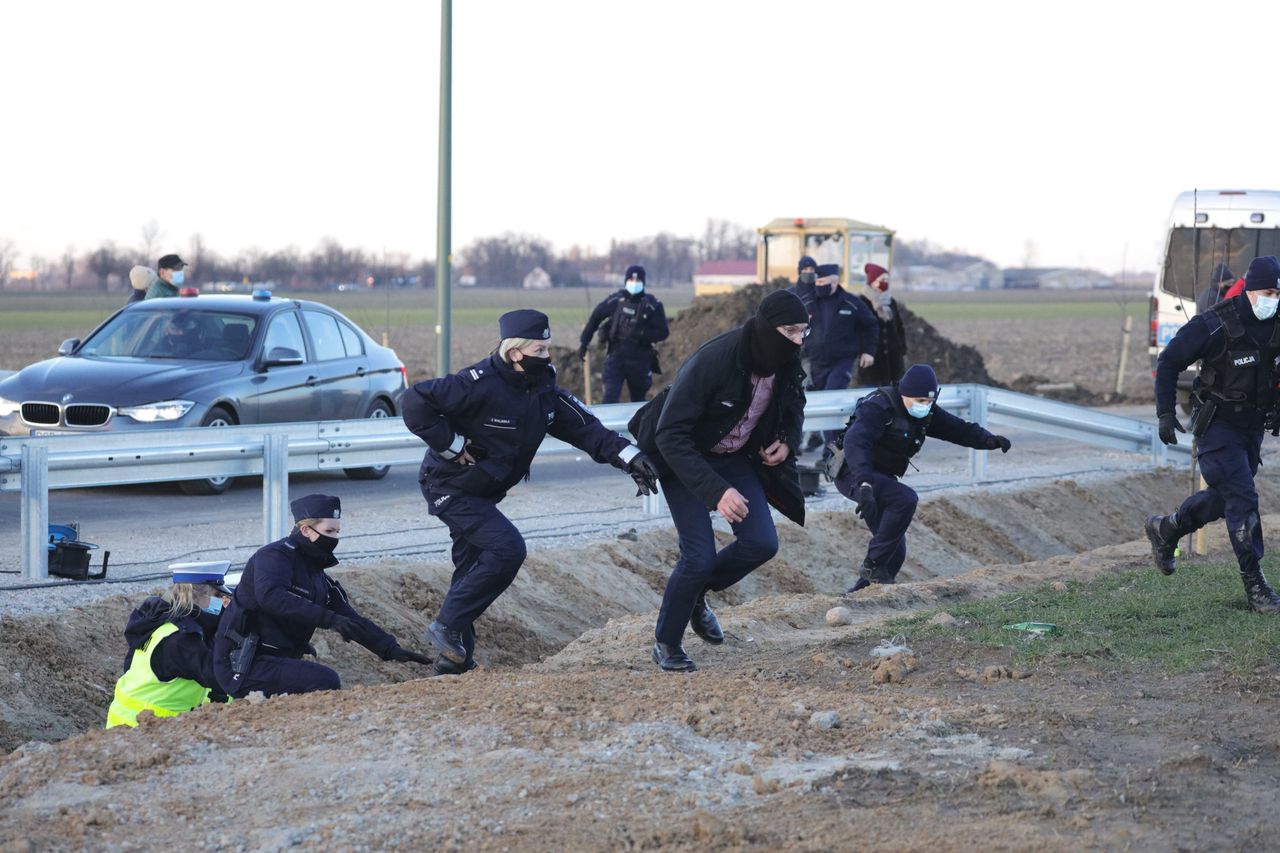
{"points": [[443, 191]]}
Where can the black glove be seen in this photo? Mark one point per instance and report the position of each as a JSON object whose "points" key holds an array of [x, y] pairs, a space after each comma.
{"points": [[998, 442], [349, 628], [582, 353], [1169, 423], [645, 475], [403, 655], [866, 508]]}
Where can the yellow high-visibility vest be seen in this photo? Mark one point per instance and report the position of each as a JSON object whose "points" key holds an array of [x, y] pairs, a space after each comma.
{"points": [[140, 690]]}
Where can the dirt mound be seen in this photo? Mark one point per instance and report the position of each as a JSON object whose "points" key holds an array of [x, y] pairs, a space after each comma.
{"points": [[708, 316], [1067, 392]]}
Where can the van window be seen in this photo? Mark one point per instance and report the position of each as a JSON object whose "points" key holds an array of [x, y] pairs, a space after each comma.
{"points": [[1193, 252]]}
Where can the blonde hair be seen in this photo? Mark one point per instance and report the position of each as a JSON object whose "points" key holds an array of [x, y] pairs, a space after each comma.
{"points": [[309, 522], [181, 598], [508, 344]]}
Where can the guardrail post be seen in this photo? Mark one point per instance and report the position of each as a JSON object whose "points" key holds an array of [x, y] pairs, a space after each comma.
{"points": [[978, 414], [654, 504], [275, 486], [35, 511], [1159, 453]]}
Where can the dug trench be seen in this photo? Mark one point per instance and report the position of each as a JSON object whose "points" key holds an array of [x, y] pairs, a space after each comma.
{"points": [[568, 738]]}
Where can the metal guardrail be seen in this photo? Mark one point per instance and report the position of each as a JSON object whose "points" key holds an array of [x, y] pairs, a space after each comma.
{"points": [[34, 465]]}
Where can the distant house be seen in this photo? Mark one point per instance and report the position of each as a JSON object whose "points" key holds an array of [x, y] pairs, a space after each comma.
{"points": [[978, 275], [537, 279], [713, 277]]}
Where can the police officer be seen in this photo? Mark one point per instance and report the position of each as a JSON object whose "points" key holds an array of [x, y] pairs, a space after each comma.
{"points": [[1236, 342], [483, 426], [283, 596], [169, 667], [633, 322], [888, 427], [725, 436], [806, 275], [843, 332]]}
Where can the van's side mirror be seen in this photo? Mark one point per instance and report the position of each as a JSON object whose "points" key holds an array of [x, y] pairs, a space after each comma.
{"points": [[282, 357], [68, 346]]}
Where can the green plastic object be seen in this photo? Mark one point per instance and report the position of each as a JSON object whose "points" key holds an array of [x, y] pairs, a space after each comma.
{"points": [[1034, 627]]}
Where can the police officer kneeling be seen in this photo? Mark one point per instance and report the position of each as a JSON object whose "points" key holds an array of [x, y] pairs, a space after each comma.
{"points": [[169, 667], [888, 427], [1237, 343], [283, 596]]}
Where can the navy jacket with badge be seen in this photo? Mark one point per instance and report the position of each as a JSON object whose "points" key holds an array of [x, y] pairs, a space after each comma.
{"points": [[841, 326], [1204, 336], [710, 395], [185, 654], [284, 595], [502, 415], [875, 415], [647, 325]]}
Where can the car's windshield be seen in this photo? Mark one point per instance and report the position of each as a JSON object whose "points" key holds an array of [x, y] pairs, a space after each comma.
{"points": [[1194, 252], [182, 333]]}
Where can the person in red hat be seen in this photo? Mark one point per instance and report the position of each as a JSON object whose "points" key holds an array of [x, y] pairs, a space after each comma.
{"points": [[891, 351]]}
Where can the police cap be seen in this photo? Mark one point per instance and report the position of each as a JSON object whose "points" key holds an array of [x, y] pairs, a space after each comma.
{"points": [[316, 506], [524, 323], [828, 269]]}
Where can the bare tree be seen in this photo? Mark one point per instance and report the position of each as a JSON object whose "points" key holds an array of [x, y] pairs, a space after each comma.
{"points": [[39, 267], [8, 255], [68, 264], [102, 262], [151, 234]]}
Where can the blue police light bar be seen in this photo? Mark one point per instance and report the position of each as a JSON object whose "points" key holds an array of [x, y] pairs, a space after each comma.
{"points": [[262, 293]]}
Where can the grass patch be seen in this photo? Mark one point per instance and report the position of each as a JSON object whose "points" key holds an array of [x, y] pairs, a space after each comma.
{"points": [[1183, 623], [1047, 310]]}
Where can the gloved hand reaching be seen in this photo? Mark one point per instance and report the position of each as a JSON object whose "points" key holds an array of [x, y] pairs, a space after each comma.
{"points": [[644, 473], [998, 442], [582, 353], [403, 655], [1169, 423], [349, 628], [866, 508]]}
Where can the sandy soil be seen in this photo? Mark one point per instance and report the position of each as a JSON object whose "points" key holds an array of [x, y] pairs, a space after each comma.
{"points": [[568, 738]]}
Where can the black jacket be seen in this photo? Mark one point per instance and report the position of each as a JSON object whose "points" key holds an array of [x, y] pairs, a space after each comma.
{"points": [[284, 595], [504, 415], [841, 326], [710, 395], [646, 325], [185, 654], [893, 335]]}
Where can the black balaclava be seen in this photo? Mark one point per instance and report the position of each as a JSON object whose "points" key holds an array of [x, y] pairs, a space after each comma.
{"points": [[770, 349]]}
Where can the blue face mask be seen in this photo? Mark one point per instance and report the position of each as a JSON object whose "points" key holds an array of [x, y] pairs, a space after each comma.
{"points": [[215, 604], [1265, 307], [635, 288], [179, 277], [919, 410]]}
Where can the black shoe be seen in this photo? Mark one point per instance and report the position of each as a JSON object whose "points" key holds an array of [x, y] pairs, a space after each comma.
{"points": [[871, 573], [704, 623], [446, 641], [860, 583], [444, 667], [672, 658], [1262, 598], [1163, 551], [814, 442]]}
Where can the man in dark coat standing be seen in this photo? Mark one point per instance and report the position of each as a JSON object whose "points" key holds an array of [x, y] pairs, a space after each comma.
{"points": [[633, 322], [724, 437]]}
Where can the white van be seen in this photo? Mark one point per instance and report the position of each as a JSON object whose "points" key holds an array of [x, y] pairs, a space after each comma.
{"points": [[1206, 228]]}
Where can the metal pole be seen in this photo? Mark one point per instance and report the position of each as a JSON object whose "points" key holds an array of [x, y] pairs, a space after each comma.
{"points": [[35, 511], [1124, 354], [275, 486], [443, 191]]}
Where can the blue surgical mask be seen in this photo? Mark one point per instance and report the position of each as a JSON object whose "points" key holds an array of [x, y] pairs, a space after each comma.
{"points": [[215, 604], [635, 288], [179, 277], [919, 410], [1265, 307]]}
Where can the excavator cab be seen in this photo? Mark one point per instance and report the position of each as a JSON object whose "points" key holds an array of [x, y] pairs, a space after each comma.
{"points": [[847, 242]]}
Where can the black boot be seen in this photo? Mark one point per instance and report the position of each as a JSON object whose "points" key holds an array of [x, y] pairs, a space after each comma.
{"points": [[446, 641], [870, 573], [1163, 533], [444, 667], [704, 623], [672, 658], [1262, 598]]}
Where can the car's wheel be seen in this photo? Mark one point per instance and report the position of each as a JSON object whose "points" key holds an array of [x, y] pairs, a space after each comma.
{"points": [[378, 410], [216, 417]]}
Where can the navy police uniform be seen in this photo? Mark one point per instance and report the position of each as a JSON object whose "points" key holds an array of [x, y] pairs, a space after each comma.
{"points": [[879, 442], [498, 416], [283, 596], [632, 323], [1233, 396], [841, 328]]}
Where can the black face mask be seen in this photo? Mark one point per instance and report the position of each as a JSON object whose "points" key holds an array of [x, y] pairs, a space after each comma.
{"points": [[322, 547], [808, 277], [770, 349], [824, 289], [534, 365]]}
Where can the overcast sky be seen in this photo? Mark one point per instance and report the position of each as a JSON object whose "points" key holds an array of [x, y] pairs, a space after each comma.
{"points": [[977, 125]]}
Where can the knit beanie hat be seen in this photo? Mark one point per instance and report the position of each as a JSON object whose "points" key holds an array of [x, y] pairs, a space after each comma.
{"points": [[1263, 274], [919, 381], [636, 270], [141, 277], [873, 271], [1221, 274], [806, 261], [782, 308]]}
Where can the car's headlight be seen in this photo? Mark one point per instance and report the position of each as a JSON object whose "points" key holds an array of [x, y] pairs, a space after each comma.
{"points": [[169, 410], [8, 407]]}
